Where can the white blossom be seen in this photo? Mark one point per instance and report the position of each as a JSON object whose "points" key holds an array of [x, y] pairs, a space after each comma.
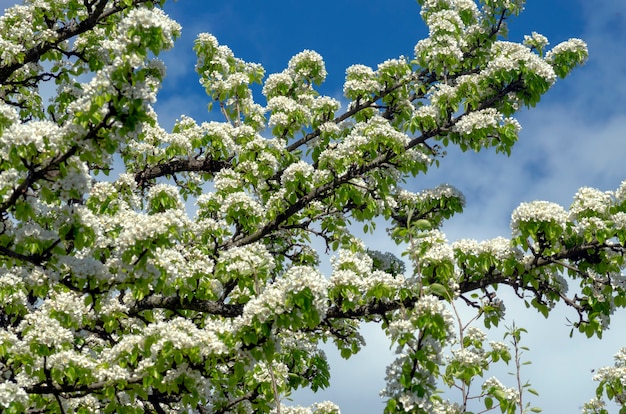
{"points": [[309, 65], [482, 119], [538, 211], [507, 56], [10, 392], [302, 168], [360, 80], [590, 200], [536, 40], [571, 45]]}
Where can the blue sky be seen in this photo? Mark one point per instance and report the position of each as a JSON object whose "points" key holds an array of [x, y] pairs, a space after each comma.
{"points": [[575, 137]]}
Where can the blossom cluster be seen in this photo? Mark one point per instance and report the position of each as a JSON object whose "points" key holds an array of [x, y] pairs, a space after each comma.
{"points": [[354, 278], [279, 297], [538, 211]]}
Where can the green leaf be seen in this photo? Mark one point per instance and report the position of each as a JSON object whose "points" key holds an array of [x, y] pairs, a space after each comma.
{"points": [[439, 290], [488, 403]]}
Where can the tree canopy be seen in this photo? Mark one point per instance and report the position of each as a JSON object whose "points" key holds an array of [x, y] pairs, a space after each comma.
{"points": [[145, 270]]}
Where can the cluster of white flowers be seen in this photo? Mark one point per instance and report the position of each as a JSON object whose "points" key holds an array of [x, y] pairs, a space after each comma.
{"points": [[360, 81], [10, 50], [179, 267], [488, 118], [399, 327], [394, 68], [294, 340], [536, 40], [287, 409], [469, 357], [111, 304], [475, 334], [272, 301], [166, 191], [241, 203], [445, 21], [594, 406], [20, 33], [183, 334], [379, 129], [227, 179], [298, 171], [276, 83], [287, 112], [39, 328], [247, 260], [569, 46], [38, 276], [508, 56], [77, 180], [156, 141], [437, 253], [499, 247], [325, 107], [446, 407], [393, 389], [589, 225], [358, 262], [220, 136], [328, 128], [446, 41], [619, 220], [427, 117], [324, 407], [44, 137], [70, 358], [460, 5], [10, 393], [144, 19], [433, 306], [616, 373], [444, 96], [510, 394], [136, 227], [279, 372], [70, 304], [499, 347], [8, 180], [441, 191], [620, 193], [308, 65], [31, 231], [12, 289], [538, 211], [432, 248], [85, 268], [373, 136], [225, 77], [590, 201]]}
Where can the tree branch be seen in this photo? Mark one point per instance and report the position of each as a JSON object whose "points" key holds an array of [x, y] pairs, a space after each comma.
{"points": [[179, 165], [177, 303]]}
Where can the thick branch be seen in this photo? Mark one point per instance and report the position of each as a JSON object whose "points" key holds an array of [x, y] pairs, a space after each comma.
{"points": [[177, 166], [178, 303]]}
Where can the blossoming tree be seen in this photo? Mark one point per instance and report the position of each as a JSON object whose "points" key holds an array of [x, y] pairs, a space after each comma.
{"points": [[117, 297]]}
